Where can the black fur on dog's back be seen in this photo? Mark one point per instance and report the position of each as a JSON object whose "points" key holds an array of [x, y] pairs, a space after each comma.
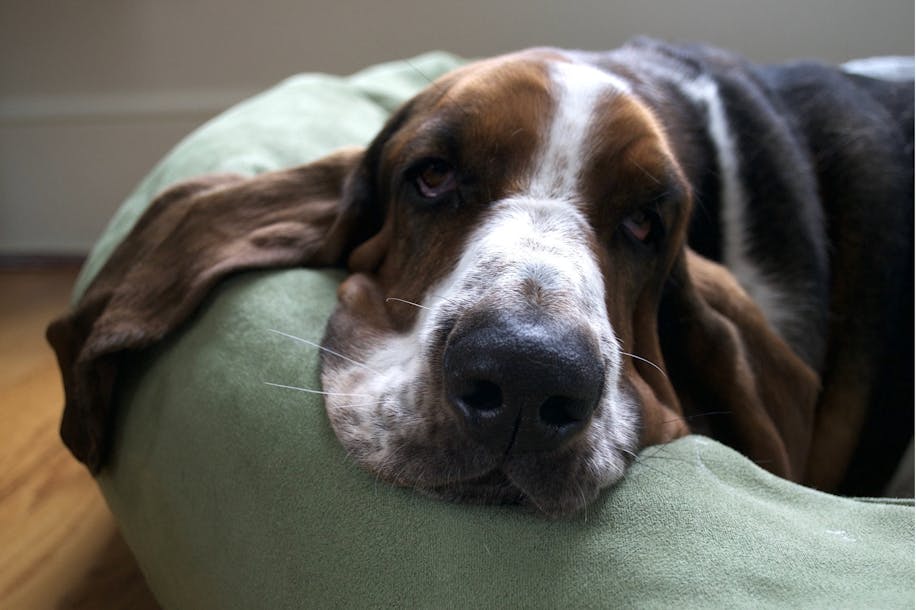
{"points": [[860, 132]]}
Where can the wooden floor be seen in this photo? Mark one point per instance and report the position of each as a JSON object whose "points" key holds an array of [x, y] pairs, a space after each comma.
{"points": [[59, 546]]}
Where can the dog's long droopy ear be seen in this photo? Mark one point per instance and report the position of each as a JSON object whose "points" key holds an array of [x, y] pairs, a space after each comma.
{"points": [[191, 236], [723, 357]]}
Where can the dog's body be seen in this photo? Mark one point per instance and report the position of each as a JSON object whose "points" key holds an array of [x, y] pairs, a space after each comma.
{"points": [[533, 297]]}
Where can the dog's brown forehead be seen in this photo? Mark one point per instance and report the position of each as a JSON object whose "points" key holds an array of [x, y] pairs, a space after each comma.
{"points": [[493, 111], [627, 159], [516, 88]]}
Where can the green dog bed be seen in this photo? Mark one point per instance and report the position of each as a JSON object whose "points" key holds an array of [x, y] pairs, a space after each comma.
{"points": [[233, 493]]}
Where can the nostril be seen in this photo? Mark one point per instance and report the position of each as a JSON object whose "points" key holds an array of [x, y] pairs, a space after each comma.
{"points": [[482, 396], [561, 411]]}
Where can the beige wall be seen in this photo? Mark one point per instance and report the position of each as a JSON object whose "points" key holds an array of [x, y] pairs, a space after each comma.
{"points": [[93, 92]]}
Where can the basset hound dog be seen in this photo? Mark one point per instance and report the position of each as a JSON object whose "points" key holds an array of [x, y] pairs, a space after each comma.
{"points": [[557, 258]]}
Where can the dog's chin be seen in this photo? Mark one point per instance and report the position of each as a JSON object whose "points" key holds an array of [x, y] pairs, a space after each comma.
{"points": [[498, 489], [491, 488]]}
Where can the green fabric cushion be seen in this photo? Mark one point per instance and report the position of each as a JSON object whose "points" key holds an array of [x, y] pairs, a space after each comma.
{"points": [[236, 494]]}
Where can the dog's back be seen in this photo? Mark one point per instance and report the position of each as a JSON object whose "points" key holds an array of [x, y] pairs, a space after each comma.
{"points": [[860, 133], [825, 155]]}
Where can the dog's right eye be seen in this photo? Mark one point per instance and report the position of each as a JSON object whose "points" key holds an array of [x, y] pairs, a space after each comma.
{"points": [[434, 178]]}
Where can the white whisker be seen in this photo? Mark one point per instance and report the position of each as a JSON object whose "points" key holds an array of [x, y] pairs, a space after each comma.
{"points": [[325, 349], [310, 391], [645, 360], [407, 303]]}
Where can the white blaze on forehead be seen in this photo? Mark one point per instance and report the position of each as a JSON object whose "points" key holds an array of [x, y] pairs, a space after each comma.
{"points": [[578, 88]]}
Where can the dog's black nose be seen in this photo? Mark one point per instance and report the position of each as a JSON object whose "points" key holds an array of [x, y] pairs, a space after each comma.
{"points": [[520, 383]]}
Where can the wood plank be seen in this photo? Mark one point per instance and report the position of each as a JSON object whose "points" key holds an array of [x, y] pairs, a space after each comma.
{"points": [[59, 544]]}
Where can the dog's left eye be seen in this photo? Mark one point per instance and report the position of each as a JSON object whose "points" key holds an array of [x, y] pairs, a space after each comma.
{"points": [[434, 177], [641, 225]]}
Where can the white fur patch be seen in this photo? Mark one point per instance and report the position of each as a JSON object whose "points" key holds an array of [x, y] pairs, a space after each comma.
{"points": [[773, 302]]}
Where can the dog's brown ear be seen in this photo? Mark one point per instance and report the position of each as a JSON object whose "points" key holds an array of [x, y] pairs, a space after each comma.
{"points": [[191, 236], [724, 360]]}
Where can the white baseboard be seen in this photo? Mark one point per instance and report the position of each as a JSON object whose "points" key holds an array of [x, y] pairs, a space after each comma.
{"points": [[23, 110]]}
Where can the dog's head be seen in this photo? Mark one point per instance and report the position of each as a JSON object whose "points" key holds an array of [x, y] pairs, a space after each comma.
{"points": [[520, 227]]}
